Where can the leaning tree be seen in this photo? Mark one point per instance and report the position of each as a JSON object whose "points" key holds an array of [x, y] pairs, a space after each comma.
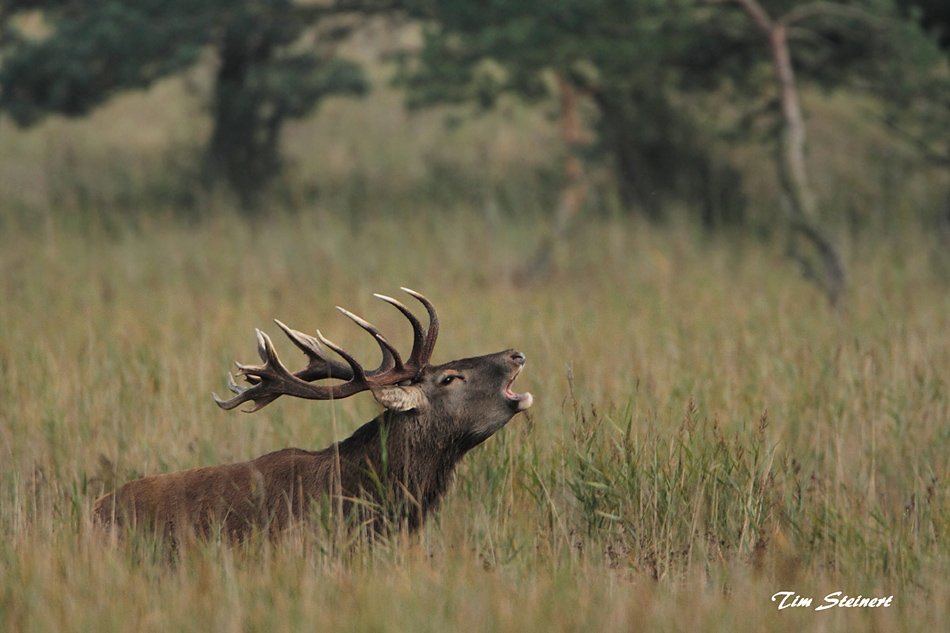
{"points": [[861, 45], [642, 64]]}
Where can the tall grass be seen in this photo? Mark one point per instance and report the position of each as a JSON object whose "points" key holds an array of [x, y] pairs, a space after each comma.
{"points": [[705, 432]]}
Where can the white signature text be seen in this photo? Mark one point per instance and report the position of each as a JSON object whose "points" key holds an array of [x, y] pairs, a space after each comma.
{"points": [[790, 599]]}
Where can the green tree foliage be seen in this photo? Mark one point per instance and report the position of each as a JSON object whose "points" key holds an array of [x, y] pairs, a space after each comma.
{"points": [[86, 51], [634, 59], [928, 125], [646, 64], [934, 16]]}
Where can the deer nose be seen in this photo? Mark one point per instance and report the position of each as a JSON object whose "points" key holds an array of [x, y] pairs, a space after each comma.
{"points": [[517, 358]]}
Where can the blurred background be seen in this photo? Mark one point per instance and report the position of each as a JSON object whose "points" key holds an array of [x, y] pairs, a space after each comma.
{"points": [[718, 229], [808, 125]]}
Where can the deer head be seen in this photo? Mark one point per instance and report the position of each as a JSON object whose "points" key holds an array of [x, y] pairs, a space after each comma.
{"points": [[477, 388]]}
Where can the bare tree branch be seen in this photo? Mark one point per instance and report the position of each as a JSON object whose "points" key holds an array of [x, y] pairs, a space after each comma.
{"points": [[801, 205]]}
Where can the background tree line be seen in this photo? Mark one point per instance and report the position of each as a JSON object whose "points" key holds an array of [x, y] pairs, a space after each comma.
{"points": [[650, 90]]}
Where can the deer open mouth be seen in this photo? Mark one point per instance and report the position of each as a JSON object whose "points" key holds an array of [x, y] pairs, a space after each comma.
{"points": [[520, 401]]}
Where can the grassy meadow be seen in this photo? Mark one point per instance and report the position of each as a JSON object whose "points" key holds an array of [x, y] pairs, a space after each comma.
{"points": [[706, 431]]}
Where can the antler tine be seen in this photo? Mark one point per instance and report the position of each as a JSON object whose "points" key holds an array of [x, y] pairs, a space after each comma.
{"points": [[272, 379], [359, 375], [259, 391], [418, 334], [391, 357], [320, 365], [235, 388], [433, 332], [259, 401]]}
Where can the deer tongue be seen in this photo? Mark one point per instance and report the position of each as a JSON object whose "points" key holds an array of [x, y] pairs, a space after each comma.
{"points": [[522, 400]]}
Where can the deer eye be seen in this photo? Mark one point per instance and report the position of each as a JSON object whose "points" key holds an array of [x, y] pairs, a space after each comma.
{"points": [[448, 379]]}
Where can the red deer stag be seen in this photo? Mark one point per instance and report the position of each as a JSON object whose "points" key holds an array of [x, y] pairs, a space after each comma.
{"points": [[395, 467]]}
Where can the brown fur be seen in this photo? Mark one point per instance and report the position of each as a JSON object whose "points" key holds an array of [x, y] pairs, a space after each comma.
{"points": [[392, 470]]}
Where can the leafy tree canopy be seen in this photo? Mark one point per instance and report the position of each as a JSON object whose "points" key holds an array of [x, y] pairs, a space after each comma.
{"points": [[640, 60], [82, 52], [934, 16]]}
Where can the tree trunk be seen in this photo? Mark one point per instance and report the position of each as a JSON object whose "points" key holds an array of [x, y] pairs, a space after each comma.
{"points": [[801, 206], [574, 191], [242, 151]]}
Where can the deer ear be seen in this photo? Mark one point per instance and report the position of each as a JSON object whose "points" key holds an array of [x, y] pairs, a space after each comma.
{"points": [[397, 398]]}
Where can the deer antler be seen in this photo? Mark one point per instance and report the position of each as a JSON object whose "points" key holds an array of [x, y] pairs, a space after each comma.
{"points": [[272, 379]]}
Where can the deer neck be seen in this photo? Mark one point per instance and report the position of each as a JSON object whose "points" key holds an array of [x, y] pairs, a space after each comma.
{"points": [[405, 451]]}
